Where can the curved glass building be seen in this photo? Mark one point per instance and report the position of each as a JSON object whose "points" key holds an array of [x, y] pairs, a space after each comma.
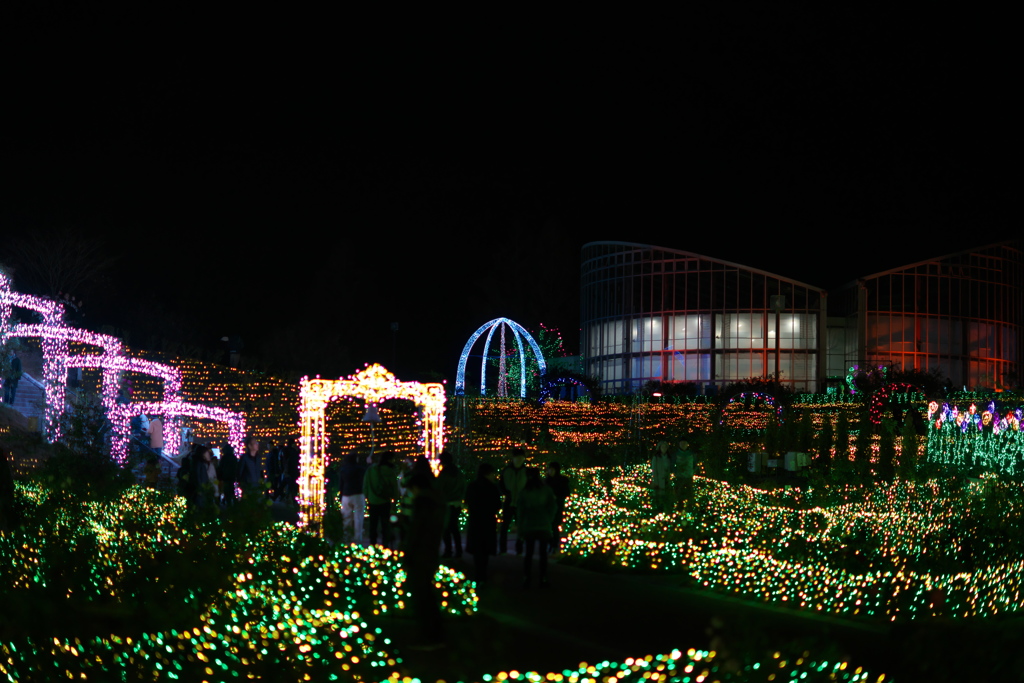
{"points": [[651, 313], [958, 314]]}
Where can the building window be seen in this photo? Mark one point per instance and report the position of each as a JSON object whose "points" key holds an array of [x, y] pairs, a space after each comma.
{"points": [[737, 366], [647, 367], [689, 367], [689, 332], [739, 331], [607, 338], [799, 331], [647, 335]]}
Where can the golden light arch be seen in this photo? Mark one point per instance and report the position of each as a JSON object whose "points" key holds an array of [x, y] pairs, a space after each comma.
{"points": [[373, 384]]}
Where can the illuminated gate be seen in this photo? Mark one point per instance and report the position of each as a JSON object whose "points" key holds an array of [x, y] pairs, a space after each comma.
{"points": [[373, 384]]}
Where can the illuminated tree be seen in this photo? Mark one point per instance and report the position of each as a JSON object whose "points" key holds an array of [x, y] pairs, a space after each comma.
{"points": [[549, 339]]}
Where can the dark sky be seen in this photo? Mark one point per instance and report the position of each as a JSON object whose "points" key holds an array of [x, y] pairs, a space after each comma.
{"points": [[309, 180]]}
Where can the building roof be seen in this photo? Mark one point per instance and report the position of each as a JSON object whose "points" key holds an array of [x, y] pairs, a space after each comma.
{"points": [[690, 254], [1016, 244]]}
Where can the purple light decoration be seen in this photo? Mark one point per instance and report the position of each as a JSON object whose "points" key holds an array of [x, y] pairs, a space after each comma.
{"points": [[55, 336], [120, 417], [54, 349]]}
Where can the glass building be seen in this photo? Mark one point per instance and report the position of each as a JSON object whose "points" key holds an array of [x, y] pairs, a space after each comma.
{"points": [[958, 314], [651, 313]]}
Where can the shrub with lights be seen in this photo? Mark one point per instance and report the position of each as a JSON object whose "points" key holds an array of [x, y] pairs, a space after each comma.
{"points": [[136, 589], [891, 551], [972, 440]]}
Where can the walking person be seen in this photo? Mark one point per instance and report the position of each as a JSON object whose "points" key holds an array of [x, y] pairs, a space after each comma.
{"points": [[12, 375], [380, 486], [513, 479], [353, 500], [156, 435], [228, 472], [203, 476], [535, 515], [452, 487], [152, 472], [249, 470], [483, 502], [560, 486], [421, 558], [661, 471], [184, 475]]}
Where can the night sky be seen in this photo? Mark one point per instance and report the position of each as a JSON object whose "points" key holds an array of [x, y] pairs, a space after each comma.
{"points": [[303, 182]]}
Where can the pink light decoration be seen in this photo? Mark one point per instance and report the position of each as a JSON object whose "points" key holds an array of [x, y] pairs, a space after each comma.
{"points": [[54, 349], [373, 384], [56, 336], [120, 417]]}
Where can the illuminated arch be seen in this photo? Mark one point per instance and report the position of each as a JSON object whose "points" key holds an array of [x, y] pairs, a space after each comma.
{"points": [[54, 349], [55, 336], [111, 360], [373, 384], [120, 416], [518, 332]]}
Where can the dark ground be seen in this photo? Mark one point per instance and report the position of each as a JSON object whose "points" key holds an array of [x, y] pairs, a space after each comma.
{"points": [[589, 616]]}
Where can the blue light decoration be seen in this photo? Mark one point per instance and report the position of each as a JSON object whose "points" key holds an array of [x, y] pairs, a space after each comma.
{"points": [[518, 332], [754, 397], [547, 387]]}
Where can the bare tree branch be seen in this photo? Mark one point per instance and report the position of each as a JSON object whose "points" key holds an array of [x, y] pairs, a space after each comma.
{"points": [[65, 261]]}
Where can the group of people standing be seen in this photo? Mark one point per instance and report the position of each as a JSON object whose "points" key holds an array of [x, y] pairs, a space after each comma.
{"points": [[406, 500], [208, 475], [535, 505], [671, 475], [377, 489], [382, 492]]}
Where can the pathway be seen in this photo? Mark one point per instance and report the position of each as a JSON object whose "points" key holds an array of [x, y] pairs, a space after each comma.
{"points": [[593, 616]]}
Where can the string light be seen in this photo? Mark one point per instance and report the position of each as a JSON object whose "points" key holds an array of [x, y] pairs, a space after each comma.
{"points": [[112, 360], [289, 601], [289, 605], [967, 439], [902, 393], [373, 384], [518, 331], [876, 554], [121, 414]]}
